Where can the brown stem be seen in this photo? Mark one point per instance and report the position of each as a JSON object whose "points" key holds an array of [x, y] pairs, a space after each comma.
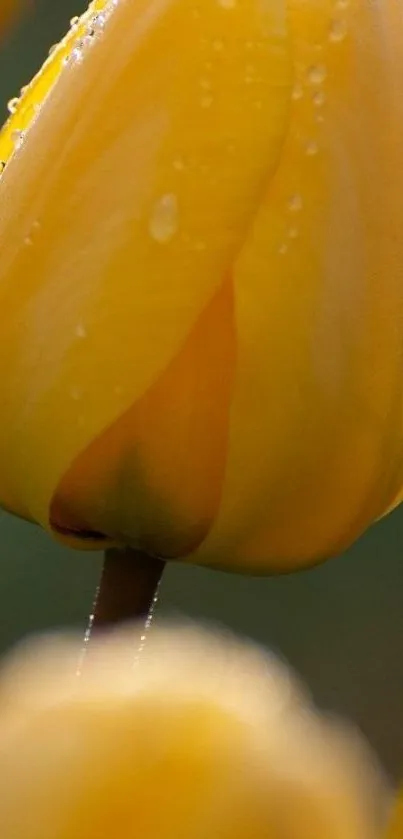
{"points": [[128, 591], [129, 584]]}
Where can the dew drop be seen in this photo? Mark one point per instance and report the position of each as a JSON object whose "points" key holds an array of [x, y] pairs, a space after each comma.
{"points": [[98, 21], [283, 249], [18, 138], [81, 331], [75, 55], [337, 31], [227, 4], [319, 98], [12, 105], [218, 45], [164, 219], [295, 203], [317, 74], [311, 148], [298, 92]]}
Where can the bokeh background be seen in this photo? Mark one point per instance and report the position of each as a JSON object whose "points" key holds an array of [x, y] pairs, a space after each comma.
{"points": [[340, 625]]}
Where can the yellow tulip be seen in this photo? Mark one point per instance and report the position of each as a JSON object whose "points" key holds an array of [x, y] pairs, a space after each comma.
{"points": [[203, 738], [201, 280]]}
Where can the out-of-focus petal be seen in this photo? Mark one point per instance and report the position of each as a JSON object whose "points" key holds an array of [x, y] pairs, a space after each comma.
{"points": [[204, 738]]}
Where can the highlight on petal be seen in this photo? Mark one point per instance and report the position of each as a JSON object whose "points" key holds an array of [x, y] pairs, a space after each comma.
{"points": [[204, 737]]}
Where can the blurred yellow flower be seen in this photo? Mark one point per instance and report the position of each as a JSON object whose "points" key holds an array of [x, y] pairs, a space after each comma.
{"points": [[201, 280], [204, 737]]}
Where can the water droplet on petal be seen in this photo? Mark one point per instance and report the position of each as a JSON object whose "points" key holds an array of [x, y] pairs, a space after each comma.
{"points": [[319, 98], [312, 148], [81, 331], [337, 30], [164, 219], [18, 138], [12, 105], [298, 92], [295, 203], [317, 74]]}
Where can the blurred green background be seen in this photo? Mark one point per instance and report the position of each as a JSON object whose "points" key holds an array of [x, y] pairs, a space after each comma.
{"points": [[341, 625]]}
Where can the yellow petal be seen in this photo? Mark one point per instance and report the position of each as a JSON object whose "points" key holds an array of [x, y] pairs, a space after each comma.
{"points": [[206, 738], [158, 469], [121, 212], [315, 441]]}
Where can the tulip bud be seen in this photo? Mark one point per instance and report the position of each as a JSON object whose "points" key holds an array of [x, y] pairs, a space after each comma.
{"points": [[201, 737], [201, 280]]}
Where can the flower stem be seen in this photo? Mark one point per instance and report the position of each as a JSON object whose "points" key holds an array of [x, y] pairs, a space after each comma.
{"points": [[127, 591], [129, 584]]}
